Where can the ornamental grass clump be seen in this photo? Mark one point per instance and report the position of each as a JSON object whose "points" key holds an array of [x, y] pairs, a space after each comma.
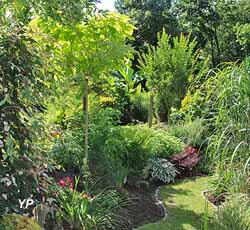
{"points": [[85, 211]]}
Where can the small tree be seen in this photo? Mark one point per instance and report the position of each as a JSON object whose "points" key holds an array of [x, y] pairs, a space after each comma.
{"points": [[168, 70], [87, 50]]}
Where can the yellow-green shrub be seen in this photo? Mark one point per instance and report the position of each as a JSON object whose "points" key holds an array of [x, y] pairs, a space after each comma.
{"points": [[18, 222]]}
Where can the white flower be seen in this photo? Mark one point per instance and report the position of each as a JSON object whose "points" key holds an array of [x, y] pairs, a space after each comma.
{"points": [[7, 128], [5, 196], [1, 144]]}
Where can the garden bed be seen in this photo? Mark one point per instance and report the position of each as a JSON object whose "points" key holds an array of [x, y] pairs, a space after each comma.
{"points": [[142, 208]]}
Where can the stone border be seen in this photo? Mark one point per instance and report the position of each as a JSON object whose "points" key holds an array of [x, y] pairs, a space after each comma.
{"points": [[213, 205], [160, 202]]}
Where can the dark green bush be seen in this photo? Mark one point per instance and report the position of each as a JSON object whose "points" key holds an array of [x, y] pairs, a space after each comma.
{"points": [[67, 149], [21, 179], [140, 106]]}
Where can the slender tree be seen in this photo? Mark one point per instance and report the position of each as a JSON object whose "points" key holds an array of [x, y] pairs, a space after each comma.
{"points": [[168, 70], [88, 50]]}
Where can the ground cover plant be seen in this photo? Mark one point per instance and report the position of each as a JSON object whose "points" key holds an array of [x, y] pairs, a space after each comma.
{"points": [[98, 109]]}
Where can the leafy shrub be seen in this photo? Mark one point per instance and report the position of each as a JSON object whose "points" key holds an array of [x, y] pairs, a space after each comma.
{"points": [[192, 133], [21, 179], [140, 106], [130, 147], [21, 91], [160, 169], [18, 222], [126, 148], [234, 215], [67, 149], [101, 127], [163, 145]]}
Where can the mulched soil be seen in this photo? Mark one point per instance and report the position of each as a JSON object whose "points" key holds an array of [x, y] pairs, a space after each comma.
{"points": [[142, 208]]}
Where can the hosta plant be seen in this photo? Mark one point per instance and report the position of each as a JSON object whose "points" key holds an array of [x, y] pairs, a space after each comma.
{"points": [[160, 169]]}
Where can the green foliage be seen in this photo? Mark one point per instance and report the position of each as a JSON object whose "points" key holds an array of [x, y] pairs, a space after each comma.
{"points": [[82, 210], [160, 169], [161, 144], [202, 19], [232, 15], [140, 105], [150, 17], [235, 214], [21, 92], [130, 147], [127, 87], [225, 95], [243, 36], [192, 133], [18, 222], [67, 150], [168, 70], [213, 23], [87, 50], [124, 147], [65, 12], [101, 126], [20, 179]]}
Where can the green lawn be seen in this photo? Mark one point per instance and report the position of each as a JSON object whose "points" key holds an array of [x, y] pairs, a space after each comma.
{"points": [[185, 205]]}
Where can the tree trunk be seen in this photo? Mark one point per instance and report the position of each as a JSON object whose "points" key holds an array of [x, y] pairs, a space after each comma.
{"points": [[150, 115], [86, 125]]}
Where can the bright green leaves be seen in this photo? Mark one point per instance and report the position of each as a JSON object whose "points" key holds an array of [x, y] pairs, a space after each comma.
{"points": [[169, 68], [243, 35], [90, 48]]}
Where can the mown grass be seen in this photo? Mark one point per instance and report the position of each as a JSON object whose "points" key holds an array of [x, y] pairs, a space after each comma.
{"points": [[185, 205]]}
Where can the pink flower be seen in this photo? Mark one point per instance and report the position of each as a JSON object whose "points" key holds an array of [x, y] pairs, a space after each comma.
{"points": [[62, 183], [69, 180]]}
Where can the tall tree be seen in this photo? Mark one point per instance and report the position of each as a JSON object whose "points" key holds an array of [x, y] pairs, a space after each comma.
{"points": [[201, 19], [214, 23], [149, 17], [233, 14]]}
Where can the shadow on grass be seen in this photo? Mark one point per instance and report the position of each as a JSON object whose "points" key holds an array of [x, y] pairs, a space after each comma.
{"points": [[180, 218]]}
